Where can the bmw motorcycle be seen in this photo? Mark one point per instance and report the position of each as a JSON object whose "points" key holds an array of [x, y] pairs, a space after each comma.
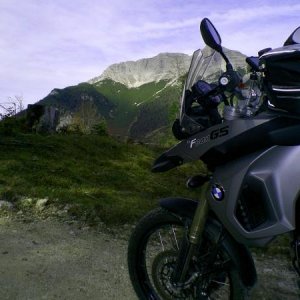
{"points": [[246, 129]]}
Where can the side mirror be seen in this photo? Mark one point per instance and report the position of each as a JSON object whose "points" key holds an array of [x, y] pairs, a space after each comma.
{"points": [[294, 38], [210, 35], [212, 39]]}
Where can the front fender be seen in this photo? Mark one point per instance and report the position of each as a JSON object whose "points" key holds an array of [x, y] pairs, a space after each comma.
{"points": [[180, 206], [239, 253]]}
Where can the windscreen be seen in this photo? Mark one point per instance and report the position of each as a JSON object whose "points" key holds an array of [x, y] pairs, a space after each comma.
{"points": [[207, 65]]}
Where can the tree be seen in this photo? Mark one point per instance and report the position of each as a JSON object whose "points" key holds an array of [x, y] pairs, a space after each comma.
{"points": [[100, 128], [19, 102], [11, 106], [87, 116], [7, 109]]}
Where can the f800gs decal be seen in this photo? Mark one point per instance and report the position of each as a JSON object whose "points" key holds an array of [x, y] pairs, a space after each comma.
{"points": [[198, 142], [217, 133]]}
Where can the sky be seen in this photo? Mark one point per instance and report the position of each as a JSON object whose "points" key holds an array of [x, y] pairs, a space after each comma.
{"points": [[58, 43]]}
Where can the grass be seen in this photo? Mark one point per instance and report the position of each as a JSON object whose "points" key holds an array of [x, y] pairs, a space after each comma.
{"points": [[96, 175]]}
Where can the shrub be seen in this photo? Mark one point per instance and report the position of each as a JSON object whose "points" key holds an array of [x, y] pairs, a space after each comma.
{"points": [[11, 126], [100, 129]]}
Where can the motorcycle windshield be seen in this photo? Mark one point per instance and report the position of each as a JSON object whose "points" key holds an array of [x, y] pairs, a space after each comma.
{"points": [[207, 65]]}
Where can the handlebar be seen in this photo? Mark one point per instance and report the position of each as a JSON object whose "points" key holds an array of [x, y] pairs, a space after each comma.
{"points": [[228, 82], [253, 62], [208, 95]]}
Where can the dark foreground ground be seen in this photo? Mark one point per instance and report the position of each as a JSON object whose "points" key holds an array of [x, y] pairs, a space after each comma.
{"points": [[51, 259]]}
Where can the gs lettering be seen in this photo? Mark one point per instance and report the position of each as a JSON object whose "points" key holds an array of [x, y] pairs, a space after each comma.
{"points": [[217, 133]]}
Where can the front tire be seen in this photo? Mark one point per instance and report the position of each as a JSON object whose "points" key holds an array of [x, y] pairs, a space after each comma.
{"points": [[152, 254]]}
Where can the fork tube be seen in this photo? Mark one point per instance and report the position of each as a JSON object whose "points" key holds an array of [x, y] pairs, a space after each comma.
{"points": [[200, 217], [189, 244]]}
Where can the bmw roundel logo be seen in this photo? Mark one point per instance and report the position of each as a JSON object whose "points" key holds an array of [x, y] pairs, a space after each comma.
{"points": [[217, 192]]}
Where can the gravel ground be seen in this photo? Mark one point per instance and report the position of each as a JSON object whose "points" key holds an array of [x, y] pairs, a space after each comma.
{"points": [[53, 260], [50, 259], [277, 279]]}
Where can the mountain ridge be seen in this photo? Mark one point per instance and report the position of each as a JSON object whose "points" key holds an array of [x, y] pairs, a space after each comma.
{"points": [[133, 74]]}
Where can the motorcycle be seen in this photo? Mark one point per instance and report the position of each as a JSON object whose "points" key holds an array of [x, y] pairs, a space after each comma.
{"points": [[188, 249]]}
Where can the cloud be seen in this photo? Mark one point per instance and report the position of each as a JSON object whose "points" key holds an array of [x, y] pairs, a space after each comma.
{"points": [[255, 13], [48, 44]]}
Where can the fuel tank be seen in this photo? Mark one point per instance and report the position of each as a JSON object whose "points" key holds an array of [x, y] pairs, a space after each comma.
{"points": [[223, 142]]}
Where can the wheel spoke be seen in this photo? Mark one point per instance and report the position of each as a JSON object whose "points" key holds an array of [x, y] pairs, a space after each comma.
{"points": [[161, 241], [221, 283], [174, 234]]}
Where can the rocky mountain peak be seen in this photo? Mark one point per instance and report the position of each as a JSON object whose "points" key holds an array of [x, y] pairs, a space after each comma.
{"points": [[164, 66]]}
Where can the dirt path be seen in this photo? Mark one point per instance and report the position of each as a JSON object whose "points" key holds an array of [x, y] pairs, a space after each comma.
{"points": [[50, 259]]}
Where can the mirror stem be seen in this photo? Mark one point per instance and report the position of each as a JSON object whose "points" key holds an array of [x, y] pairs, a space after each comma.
{"points": [[229, 66], [225, 58]]}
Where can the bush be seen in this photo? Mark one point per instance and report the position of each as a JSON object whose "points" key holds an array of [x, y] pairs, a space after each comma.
{"points": [[100, 129], [11, 126]]}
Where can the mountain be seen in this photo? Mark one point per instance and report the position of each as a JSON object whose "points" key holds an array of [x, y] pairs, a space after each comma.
{"points": [[155, 111], [146, 92], [134, 86], [139, 99], [72, 97], [133, 74], [82, 101]]}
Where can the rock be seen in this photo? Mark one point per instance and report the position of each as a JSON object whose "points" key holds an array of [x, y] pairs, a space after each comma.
{"points": [[6, 204], [25, 202], [85, 228], [49, 120], [61, 213], [67, 208], [41, 204]]}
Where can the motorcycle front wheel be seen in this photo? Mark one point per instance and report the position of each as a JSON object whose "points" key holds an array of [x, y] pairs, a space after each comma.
{"points": [[152, 256]]}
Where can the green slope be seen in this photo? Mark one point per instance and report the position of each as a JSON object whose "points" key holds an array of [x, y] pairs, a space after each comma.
{"points": [[156, 114], [155, 117], [129, 112], [71, 98], [99, 175], [127, 102]]}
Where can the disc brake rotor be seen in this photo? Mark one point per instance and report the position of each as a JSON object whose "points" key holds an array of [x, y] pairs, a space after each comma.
{"points": [[163, 266]]}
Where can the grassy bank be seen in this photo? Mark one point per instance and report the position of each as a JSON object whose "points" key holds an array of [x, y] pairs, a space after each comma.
{"points": [[94, 174]]}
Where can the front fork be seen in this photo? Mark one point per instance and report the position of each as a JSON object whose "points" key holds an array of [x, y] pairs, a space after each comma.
{"points": [[191, 241], [296, 252]]}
